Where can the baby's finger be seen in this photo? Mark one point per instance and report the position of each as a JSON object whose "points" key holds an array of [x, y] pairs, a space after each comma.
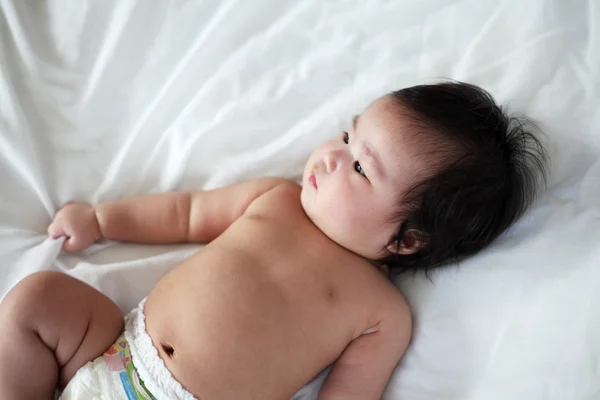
{"points": [[73, 244], [55, 231]]}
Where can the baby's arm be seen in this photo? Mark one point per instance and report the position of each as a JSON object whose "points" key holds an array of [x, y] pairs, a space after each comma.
{"points": [[173, 217], [364, 368]]}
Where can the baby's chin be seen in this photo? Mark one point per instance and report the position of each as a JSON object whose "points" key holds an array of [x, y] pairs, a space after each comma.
{"points": [[305, 175], [304, 199]]}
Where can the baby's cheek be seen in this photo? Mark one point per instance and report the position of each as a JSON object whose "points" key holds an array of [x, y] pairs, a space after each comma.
{"points": [[336, 212], [351, 219], [368, 224], [340, 206]]}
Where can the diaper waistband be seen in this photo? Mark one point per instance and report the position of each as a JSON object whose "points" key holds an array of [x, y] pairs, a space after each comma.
{"points": [[150, 367]]}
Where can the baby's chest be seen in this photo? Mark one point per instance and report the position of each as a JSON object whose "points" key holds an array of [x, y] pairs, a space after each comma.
{"points": [[317, 278]]}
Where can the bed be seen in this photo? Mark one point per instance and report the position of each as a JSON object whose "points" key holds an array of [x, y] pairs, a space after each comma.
{"points": [[106, 99]]}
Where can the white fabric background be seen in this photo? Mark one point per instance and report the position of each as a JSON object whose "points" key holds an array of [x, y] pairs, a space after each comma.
{"points": [[111, 98]]}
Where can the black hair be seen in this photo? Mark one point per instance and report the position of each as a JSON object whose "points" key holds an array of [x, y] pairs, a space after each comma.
{"points": [[488, 164]]}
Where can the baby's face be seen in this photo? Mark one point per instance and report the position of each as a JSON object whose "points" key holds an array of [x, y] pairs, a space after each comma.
{"points": [[352, 184]]}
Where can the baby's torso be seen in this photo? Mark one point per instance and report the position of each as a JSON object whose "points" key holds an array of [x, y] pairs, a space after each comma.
{"points": [[262, 309]]}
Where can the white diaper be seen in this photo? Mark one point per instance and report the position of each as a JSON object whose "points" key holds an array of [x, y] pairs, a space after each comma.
{"points": [[130, 369]]}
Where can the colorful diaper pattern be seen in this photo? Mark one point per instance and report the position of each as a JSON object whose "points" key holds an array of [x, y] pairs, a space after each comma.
{"points": [[118, 360]]}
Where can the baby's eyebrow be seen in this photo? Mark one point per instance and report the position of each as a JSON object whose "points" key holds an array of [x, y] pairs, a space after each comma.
{"points": [[369, 151], [375, 160], [355, 121]]}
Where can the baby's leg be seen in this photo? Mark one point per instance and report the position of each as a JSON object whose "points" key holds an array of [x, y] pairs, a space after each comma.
{"points": [[50, 326]]}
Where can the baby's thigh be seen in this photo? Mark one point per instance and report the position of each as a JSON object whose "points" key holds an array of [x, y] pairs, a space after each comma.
{"points": [[72, 319]]}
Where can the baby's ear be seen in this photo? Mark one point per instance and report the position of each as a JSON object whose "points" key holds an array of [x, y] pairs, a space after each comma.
{"points": [[410, 242]]}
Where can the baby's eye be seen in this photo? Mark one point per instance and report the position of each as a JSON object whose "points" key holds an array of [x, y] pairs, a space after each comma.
{"points": [[346, 138], [359, 169]]}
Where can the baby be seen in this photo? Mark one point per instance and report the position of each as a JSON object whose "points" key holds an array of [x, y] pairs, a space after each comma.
{"points": [[294, 278]]}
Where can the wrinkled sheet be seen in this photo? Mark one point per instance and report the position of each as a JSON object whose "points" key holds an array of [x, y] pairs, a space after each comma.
{"points": [[105, 99]]}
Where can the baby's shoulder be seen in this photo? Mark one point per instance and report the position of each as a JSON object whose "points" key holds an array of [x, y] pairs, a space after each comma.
{"points": [[383, 300], [286, 188], [398, 304], [283, 197]]}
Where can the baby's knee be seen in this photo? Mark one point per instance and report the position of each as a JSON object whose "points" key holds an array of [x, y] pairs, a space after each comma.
{"points": [[40, 286], [33, 291]]}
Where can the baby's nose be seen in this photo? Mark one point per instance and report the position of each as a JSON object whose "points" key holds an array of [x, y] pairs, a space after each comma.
{"points": [[331, 161]]}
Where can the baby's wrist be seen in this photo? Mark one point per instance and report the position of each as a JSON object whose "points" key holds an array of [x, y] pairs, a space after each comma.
{"points": [[97, 227]]}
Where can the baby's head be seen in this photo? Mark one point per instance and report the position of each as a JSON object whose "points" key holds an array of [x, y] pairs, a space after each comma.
{"points": [[424, 176]]}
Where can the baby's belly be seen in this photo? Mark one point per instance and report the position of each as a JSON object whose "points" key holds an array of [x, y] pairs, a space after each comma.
{"points": [[236, 331]]}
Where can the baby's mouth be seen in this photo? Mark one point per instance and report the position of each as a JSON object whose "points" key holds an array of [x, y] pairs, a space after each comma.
{"points": [[313, 180]]}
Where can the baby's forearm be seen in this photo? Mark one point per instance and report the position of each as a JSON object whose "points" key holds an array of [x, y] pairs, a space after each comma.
{"points": [[157, 218]]}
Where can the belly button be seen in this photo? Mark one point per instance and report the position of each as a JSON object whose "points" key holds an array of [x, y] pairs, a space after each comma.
{"points": [[168, 349]]}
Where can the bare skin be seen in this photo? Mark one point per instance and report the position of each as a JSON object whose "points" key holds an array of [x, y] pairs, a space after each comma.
{"points": [[284, 314], [259, 311], [50, 326]]}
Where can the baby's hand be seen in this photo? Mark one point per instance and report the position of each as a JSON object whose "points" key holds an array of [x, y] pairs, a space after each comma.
{"points": [[78, 223]]}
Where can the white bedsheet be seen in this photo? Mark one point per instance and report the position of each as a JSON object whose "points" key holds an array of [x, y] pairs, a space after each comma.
{"points": [[111, 98]]}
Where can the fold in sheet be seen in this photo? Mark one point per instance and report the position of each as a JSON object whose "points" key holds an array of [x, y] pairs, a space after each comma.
{"points": [[105, 99]]}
